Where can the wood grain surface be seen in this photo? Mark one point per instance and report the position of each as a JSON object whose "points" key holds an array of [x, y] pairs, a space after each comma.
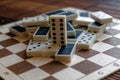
{"points": [[23, 8]]}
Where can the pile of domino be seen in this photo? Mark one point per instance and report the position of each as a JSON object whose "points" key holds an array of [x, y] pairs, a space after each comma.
{"points": [[61, 33]]}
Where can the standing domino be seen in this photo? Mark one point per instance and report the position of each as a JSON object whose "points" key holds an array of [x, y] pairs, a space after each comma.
{"points": [[41, 34], [58, 29], [101, 17], [86, 41], [66, 53]]}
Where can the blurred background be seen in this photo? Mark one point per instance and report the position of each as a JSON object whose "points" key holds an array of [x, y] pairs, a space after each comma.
{"points": [[17, 9]]}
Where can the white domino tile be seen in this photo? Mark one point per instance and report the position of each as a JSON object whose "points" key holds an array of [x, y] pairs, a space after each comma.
{"points": [[101, 15], [76, 59], [39, 61], [58, 21], [101, 46], [68, 74], [17, 47], [102, 59], [10, 60], [4, 37], [34, 74]]}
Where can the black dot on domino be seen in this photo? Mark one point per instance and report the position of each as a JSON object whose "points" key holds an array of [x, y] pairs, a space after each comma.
{"points": [[29, 49], [61, 28], [61, 24], [89, 39], [62, 42], [54, 37], [54, 33], [34, 47], [53, 20], [87, 42], [54, 41], [53, 24], [49, 47], [88, 35], [89, 31], [61, 20], [38, 45], [82, 38], [53, 28], [62, 37], [95, 32], [31, 43], [46, 43], [61, 34]]}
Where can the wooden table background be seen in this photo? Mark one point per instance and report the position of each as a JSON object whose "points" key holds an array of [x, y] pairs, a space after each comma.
{"points": [[17, 9], [23, 8]]}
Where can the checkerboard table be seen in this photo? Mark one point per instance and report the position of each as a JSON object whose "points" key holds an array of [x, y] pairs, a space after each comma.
{"points": [[101, 60]]}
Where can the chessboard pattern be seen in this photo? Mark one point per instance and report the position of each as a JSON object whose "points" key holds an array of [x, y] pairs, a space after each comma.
{"points": [[14, 65]]}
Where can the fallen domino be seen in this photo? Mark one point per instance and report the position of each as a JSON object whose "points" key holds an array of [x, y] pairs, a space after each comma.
{"points": [[18, 30], [35, 21], [41, 49], [86, 41], [69, 15], [101, 17], [66, 53], [84, 19], [41, 34]]}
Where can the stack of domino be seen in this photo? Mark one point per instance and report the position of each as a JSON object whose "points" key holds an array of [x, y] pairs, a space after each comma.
{"points": [[60, 33]]}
